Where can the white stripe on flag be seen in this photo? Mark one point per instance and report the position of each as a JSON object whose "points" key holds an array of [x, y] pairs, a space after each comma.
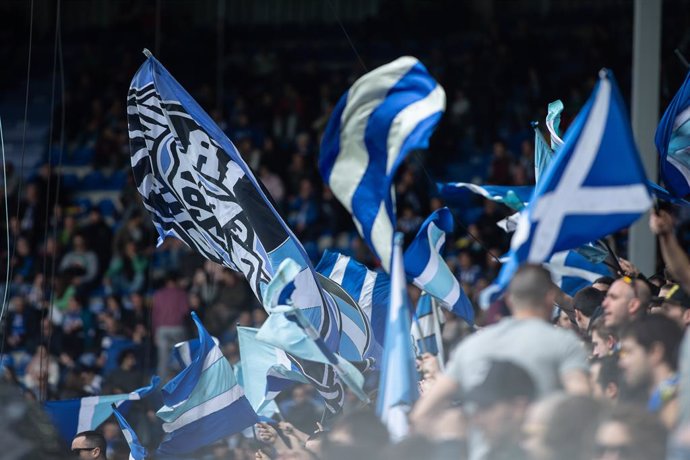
{"points": [[211, 406]]}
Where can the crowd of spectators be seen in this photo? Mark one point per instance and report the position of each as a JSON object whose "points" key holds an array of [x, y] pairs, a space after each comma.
{"points": [[94, 306]]}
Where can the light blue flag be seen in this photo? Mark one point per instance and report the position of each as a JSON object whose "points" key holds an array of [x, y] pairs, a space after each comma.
{"points": [[72, 416], [204, 402], [136, 450], [426, 328], [398, 381], [571, 271], [543, 154], [515, 197], [579, 200], [259, 360], [198, 189], [369, 288], [553, 122], [428, 270], [672, 140], [384, 115]]}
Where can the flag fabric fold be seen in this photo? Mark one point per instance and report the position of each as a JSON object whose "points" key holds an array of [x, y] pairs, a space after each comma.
{"points": [[72, 416], [204, 402], [579, 200], [428, 270], [398, 381], [553, 122], [672, 140], [571, 271], [384, 115], [136, 450], [515, 197], [198, 189]]}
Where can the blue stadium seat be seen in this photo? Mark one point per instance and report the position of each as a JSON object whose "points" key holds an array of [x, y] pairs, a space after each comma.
{"points": [[108, 208], [93, 181]]}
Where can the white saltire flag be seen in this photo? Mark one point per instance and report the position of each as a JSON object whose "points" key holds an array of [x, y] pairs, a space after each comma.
{"points": [[384, 115], [579, 199], [398, 381]]}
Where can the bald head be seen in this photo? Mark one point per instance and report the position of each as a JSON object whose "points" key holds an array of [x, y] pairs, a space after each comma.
{"points": [[625, 300], [531, 289]]}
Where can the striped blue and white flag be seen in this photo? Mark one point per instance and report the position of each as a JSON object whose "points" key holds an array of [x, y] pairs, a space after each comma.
{"points": [[579, 200], [198, 189], [672, 140], [426, 328], [571, 271], [428, 270], [515, 197], [263, 364], [384, 115], [72, 416], [204, 402], [136, 450], [369, 288], [398, 381]]}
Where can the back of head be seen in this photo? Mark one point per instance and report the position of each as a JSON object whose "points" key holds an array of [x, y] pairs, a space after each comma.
{"points": [[646, 434], [569, 429], [530, 289], [359, 434], [587, 300], [657, 329]]}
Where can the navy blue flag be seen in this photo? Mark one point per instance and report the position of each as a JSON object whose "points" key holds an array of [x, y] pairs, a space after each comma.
{"points": [[578, 200], [673, 142], [198, 189], [387, 113]]}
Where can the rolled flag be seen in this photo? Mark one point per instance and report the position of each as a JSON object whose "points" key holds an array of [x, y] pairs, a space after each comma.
{"points": [[672, 140], [136, 450], [384, 115], [262, 365], [515, 197], [72, 416], [553, 122], [579, 200], [398, 381], [428, 270], [198, 189], [204, 402]]}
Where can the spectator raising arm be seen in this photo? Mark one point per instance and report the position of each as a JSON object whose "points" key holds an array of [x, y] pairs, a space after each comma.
{"points": [[677, 262]]}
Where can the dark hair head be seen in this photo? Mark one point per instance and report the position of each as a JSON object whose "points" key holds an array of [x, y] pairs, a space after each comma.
{"points": [[653, 329], [587, 300], [647, 434], [609, 372], [569, 427], [93, 439], [124, 354], [607, 280]]}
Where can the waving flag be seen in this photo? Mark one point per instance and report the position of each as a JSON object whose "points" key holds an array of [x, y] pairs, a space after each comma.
{"points": [[136, 450], [673, 142], [429, 271], [398, 381], [571, 271], [426, 328], [553, 122], [198, 189], [515, 197], [543, 154], [579, 200], [664, 195], [263, 364], [72, 416], [384, 115], [204, 402], [370, 289]]}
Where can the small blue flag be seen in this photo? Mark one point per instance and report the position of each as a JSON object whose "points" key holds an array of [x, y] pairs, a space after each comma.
{"points": [[136, 450], [673, 142]]}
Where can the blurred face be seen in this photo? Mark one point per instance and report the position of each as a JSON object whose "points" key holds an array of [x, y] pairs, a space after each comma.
{"points": [[617, 304], [612, 442], [675, 312], [594, 371], [634, 362], [601, 346], [500, 421], [564, 321]]}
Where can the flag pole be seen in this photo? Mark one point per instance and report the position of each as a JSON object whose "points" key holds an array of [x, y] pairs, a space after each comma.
{"points": [[437, 331]]}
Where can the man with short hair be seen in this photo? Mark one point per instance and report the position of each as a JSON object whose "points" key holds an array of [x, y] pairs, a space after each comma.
{"points": [[604, 339], [649, 361], [553, 357], [89, 445], [626, 299], [675, 304], [605, 378], [585, 302]]}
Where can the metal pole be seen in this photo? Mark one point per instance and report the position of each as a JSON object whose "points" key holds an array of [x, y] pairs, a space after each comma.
{"points": [[645, 117]]}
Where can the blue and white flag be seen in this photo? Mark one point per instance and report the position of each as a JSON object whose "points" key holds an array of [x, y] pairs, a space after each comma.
{"points": [[426, 328], [198, 189], [571, 271], [662, 194], [428, 270], [553, 122], [543, 154], [515, 197], [398, 381], [262, 362], [579, 200], [136, 450], [384, 115], [672, 140], [72, 416], [369, 288], [204, 402]]}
